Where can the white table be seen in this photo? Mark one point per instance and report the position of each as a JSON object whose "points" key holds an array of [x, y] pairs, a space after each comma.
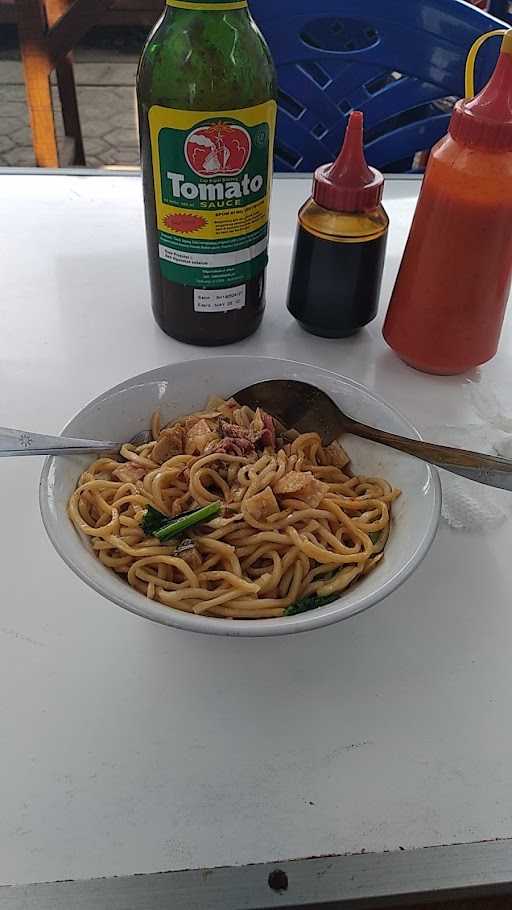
{"points": [[128, 747]]}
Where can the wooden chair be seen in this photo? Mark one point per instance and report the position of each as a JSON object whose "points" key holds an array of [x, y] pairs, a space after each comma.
{"points": [[48, 30], [118, 12]]}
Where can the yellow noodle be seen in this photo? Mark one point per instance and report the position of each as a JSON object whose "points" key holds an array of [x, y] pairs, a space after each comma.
{"points": [[252, 561]]}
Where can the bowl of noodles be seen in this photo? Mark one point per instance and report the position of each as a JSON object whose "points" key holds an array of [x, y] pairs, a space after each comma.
{"points": [[223, 521]]}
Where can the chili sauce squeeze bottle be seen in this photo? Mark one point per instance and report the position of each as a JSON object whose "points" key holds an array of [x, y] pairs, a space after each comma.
{"points": [[449, 299], [207, 89], [340, 244]]}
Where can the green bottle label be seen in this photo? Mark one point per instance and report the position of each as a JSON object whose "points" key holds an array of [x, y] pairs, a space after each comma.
{"points": [[212, 173]]}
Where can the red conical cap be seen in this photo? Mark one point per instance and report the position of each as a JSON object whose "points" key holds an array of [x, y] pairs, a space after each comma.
{"points": [[349, 184], [486, 120]]}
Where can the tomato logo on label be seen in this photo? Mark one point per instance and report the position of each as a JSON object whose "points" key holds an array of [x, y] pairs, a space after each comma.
{"points": [[218, 149]]}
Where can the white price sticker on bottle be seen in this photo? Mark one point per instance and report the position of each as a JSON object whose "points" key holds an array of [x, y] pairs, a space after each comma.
{"points": [[219, 300]]}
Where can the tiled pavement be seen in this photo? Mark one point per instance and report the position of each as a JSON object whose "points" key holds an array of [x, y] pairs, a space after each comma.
{"points": [[106, 99]]}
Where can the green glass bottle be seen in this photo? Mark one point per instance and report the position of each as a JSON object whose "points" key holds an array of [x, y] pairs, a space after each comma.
{"points": [[206, 90]]}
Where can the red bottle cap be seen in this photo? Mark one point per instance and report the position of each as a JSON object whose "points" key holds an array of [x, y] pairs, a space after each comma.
{"points": [[486, 120], [349, 184]]}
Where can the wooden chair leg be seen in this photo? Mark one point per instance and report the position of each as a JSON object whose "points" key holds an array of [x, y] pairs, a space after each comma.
{"points": [[66, 86], [37, 68], [69, 104]]}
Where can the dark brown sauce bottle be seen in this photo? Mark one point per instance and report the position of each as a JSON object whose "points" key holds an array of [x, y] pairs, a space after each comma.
{"points": [[340, 244], [335, 285]]}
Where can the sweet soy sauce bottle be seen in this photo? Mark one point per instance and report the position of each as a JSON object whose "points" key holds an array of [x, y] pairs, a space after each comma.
{"points": [[340, 244]]}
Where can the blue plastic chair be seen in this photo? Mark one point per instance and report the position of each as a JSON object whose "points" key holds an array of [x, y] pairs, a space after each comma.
{"points": [[395, 60], [502, 9]]}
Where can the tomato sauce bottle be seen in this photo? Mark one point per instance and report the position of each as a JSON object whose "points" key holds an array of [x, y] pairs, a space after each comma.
{"points": [[449, 299], [340, 244], [207, 89]]}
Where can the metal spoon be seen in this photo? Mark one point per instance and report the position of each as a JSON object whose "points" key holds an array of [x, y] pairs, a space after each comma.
{"points": [[308, 409], [20, 442]]}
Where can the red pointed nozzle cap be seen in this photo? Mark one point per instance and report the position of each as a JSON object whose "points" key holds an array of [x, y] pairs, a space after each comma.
{"points": [[349, 184], [486, 120]]}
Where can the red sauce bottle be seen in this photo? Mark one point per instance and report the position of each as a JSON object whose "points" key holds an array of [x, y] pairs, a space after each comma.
{"points": [[449, 299]]}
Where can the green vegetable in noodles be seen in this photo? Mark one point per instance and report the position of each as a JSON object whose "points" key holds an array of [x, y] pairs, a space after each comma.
{"points": [[161, 526], [310, 603]]}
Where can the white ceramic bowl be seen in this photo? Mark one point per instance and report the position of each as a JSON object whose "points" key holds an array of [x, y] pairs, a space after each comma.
{"points": [[180, 388]]}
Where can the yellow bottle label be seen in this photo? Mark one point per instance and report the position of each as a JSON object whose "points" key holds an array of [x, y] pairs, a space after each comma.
{"points": [[212, 173]]}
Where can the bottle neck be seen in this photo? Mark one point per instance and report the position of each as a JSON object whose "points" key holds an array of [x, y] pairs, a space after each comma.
{"points": [[221, 6]]}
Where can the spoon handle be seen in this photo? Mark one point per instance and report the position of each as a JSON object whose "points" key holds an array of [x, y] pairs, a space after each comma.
{"points": [[20, 442], [493, 471]]}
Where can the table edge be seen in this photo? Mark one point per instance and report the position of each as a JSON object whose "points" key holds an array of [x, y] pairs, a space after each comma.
{"points": [[136, 172], [454, 871]]}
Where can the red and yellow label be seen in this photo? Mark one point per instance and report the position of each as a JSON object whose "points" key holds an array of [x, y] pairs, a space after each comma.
{"points": [[212, 175]]}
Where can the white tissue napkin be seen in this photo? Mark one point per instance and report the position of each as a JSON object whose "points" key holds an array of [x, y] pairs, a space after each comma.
{"points": [[467, 505]]}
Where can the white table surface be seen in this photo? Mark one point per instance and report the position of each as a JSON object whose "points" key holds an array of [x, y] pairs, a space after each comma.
{"points": [[129, 747]]}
